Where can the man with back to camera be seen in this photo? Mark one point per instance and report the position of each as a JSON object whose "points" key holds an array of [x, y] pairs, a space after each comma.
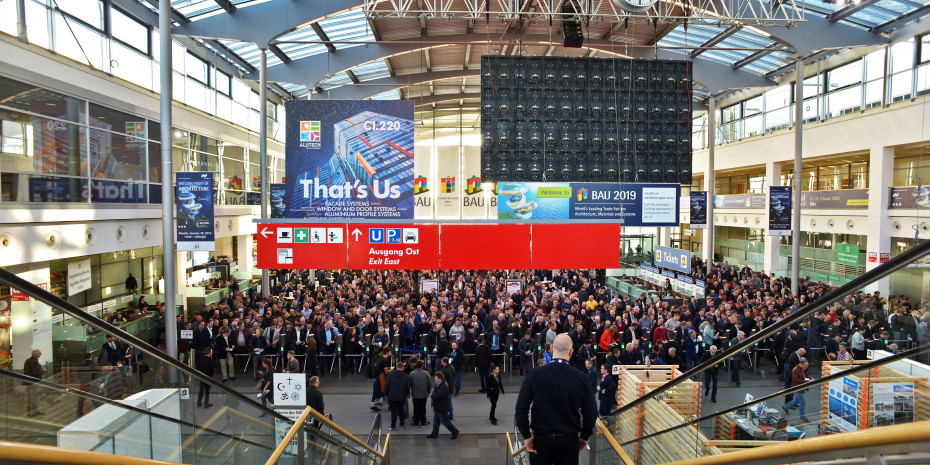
{"points": [[558, 394]]}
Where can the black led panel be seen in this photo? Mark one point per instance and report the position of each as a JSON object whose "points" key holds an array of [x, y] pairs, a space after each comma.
{"points": [[585, 119]]}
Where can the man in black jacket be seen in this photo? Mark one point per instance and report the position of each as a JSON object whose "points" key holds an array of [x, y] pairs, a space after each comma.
{"points": [[33, 368], [110, 351], [206, 366], [397, 390], [483, 362], [315, 398], [442, 403], [562, 405], [711, 374]]}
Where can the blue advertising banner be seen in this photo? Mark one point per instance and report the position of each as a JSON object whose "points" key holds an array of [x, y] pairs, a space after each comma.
{"points": [[278, 200], [673, 259], [626, 203], [349, 159], [194, 203], [779, 211], [698, 210]]}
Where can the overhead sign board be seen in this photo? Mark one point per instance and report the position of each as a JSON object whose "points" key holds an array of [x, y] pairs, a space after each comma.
{"points": [[78, 276], [301, 246], [673, 259], [627, 204], [486, 246], [847, 254], [394, 247]]}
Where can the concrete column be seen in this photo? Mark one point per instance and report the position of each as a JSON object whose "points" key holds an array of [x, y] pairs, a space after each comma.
{"points": [[32, 320], [881, 167], [246, 263], [771, 250]]}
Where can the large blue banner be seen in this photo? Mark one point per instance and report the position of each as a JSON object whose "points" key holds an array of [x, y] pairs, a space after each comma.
{"points": [[194, 203], [698, 210], [349, 159], [627, 204]]}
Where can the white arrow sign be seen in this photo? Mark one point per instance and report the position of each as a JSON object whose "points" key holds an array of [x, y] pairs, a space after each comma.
{"points": [[356, 233], [265, 232]]}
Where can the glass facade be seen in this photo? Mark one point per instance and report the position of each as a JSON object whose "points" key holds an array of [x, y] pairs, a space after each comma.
{"points": [[860, 84], [58, 148]]}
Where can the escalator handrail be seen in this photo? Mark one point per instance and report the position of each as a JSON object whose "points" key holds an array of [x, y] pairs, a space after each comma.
{"points": [[857, 283], [286, 441], [9, 279], [333, 426], [13, 452], [612, 441], [375, 422], [105, 400], [908, 433], [801, 387]]}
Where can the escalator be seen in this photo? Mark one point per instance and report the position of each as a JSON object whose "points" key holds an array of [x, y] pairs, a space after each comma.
{"points": [[848, 421], [144, 411]]}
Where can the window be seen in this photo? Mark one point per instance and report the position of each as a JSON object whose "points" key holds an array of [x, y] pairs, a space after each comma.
{"points": [[222, 82], [844, 76], [778, 113], [925, 48], [88, 11], [902, 56], [129, 31], [196, 68]]}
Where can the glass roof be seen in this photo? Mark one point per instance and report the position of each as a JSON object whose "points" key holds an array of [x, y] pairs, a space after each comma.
{"points": [[389, 95]]}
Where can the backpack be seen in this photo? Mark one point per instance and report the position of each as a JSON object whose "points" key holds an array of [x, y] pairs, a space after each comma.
{"points": [[373, 368]]}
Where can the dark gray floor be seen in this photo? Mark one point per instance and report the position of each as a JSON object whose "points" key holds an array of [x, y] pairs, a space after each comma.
{"points": [[348, 399]]}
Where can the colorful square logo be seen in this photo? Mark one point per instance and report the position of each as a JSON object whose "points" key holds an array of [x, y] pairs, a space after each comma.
{"points": [[447, 185], [310, 131], [419, 185], [582, 194]]}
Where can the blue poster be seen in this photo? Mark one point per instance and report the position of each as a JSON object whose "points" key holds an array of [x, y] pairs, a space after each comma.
{"points": [[779, 210], [278, 200], [698, 210], [349, 159], [194, 206], [627, 204]]}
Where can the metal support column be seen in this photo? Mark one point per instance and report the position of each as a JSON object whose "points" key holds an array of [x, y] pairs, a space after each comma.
{"points": [[21, 21], [709, 182], [167, 184], [796, 201], [263, 146]]}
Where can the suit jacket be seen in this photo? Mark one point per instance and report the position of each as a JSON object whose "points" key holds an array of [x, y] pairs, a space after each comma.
{"points": [[222, 344], [292, 338], [206, 365], [494, 386], [315, 399], [111, 354], [483, 356], [440, 398]]}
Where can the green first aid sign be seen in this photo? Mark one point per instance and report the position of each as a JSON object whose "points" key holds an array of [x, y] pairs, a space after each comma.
{"points": [[847, 254]]}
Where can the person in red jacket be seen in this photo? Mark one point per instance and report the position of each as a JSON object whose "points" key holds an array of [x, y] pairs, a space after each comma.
{"points": [[799, 376], [610, 339]]}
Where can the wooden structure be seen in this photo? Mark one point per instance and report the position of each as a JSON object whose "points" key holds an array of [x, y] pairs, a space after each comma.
{"points": [[865, 401], [671, 408]]}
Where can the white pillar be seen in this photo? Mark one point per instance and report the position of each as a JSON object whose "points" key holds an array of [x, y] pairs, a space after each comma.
{"points": [[881, 168], [32, 320], [770, 252], [246, 262]]}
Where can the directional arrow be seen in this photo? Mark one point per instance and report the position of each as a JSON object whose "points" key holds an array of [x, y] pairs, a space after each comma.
{"points": [[356, 233], [265, 232]]}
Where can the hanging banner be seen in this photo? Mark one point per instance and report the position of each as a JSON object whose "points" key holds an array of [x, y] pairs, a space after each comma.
{"points": [[673, 259], [698, 210], [474, 192], [893, 403], [843, 408], [449, 191], [424, 191], [779, 211], [847, 254], [846, 198], [194, 205], [626, 203], [278, 200], [349, 159]]}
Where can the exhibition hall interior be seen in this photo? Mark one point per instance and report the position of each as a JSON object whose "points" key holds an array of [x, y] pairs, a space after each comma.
{"points": [[370, 231]]}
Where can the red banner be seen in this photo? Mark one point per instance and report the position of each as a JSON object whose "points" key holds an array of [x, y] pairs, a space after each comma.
{"points": [[287, 246], [576, 246], [394, 247], [486, 246]]}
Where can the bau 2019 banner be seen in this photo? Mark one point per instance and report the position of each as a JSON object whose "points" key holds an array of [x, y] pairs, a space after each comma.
{"points": [[349, 159], [194, 199], [628, 204]]}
